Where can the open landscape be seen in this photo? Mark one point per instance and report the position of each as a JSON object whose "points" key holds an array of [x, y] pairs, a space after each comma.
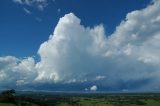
{"points": [[79, 99]]}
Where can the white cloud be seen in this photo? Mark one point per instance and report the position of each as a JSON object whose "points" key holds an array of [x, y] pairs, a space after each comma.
{"points": [[75, 53], [38, 19], [27, 11], [68, 52], [40, 4], [100, 77], [93, 88], [86, 89], [59, 10], [13, 71], [78, 52], [18, 1]]}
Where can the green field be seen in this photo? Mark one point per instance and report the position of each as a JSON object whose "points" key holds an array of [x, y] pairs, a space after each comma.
{"points": [[94, 102], [11, 104], [79, 99], [83, 101], [6, 104]]}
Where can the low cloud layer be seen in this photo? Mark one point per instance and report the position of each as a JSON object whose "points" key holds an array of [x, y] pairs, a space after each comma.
{"points": [[127, 59]]}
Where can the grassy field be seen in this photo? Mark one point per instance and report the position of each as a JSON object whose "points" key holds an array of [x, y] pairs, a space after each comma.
{"points": [[83, 99], [10, 104], [6, 104], [86, 101], [99, 102], [121, 100]]}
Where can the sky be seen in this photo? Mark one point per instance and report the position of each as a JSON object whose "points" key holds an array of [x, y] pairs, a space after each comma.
{"points": [[68, 45], [22, 32]]}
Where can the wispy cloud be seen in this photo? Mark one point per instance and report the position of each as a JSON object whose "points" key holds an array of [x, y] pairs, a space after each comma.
{"points": [[59, 10], [18, 1], [39, 4], [27, 11], [38, 19]]}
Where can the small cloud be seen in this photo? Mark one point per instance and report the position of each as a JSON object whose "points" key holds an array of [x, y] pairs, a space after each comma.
{"points": [[86, 89], [100, 77], [27, 11], [93, 88], [39, 19], [125, 90], [18, 1], [59, 10], [71, 81], [40, 7], [20, 82]]}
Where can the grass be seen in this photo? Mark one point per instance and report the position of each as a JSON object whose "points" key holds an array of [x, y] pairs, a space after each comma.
{"points": [[87, 100], [83, 101], [7, 104], [10, 104], [151, 102]]}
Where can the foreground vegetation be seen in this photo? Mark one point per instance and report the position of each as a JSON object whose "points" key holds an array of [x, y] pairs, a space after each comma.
{"points": [[9, 98]]}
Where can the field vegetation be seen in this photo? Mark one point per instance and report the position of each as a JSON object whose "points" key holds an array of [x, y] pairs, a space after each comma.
{"points": [[11, 98]]}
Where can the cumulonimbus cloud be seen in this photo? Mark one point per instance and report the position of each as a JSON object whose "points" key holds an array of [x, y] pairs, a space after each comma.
{"points": [[128, 58]]}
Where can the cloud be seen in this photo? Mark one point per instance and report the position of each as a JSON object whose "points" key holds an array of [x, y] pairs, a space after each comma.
{"points": [[18, 1], [74, 54], [14, 71], [93, 88], [86, 89], [38, 19], [59, 10], [27, 11], [71, 51], [40, 4], [99, 77]]}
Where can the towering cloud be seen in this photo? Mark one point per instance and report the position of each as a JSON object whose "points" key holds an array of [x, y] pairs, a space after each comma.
{"points": [[127, 59], [72, 52]]}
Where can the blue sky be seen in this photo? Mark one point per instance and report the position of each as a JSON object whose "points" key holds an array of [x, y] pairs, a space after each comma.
{"points": [[22, 33], [69, 45]]}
